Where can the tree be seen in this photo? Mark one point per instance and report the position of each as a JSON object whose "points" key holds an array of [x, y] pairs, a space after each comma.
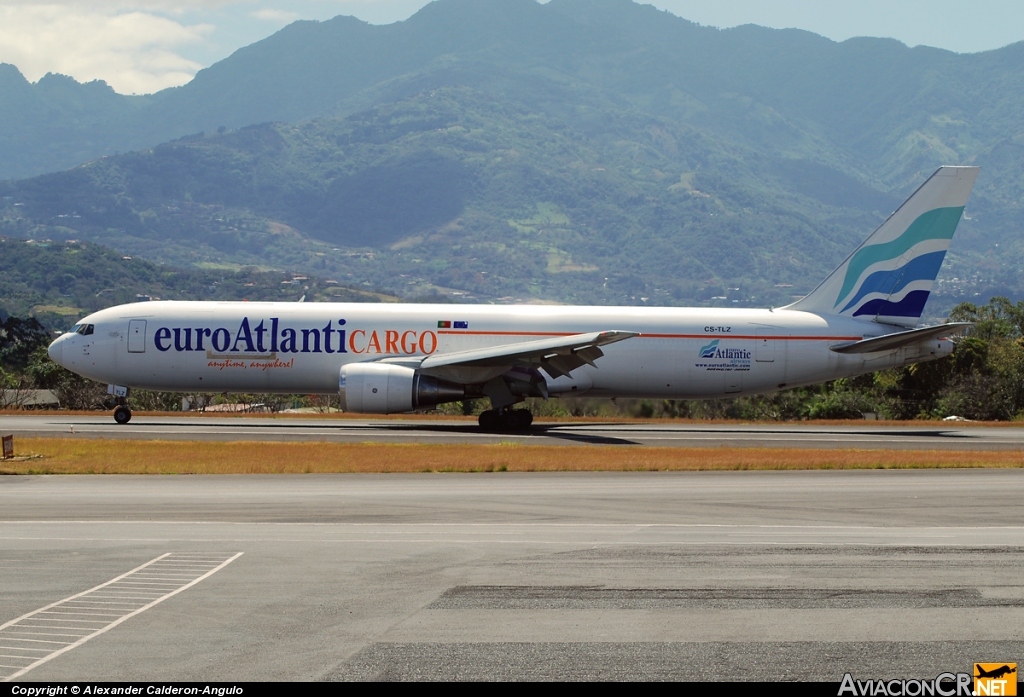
{"points": [[72, 390], [19, 340]]}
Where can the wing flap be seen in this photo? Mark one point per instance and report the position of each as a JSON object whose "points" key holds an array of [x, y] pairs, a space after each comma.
{"points": [[567, 352]]}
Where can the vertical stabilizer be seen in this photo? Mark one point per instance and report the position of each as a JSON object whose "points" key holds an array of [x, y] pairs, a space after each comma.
{"points": [[889, 277]]}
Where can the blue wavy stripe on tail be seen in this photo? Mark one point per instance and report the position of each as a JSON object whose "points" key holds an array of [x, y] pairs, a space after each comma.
{"points": [[924, 267], [911, 306]]}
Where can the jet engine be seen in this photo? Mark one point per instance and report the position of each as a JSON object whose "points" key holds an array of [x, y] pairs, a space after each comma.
{"points": [[381, 388]]}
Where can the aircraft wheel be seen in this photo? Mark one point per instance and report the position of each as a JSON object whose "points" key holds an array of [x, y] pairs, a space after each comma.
{"points": [[523, 419], [489, 420], [517, 420], [511, 420], [122, 415]]}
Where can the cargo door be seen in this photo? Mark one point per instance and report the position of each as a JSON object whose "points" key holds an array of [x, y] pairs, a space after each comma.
{"points": [[764, 351], [136, 336]]}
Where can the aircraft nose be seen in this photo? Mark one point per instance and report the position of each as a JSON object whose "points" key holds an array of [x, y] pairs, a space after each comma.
{"points": [[56, 351]]}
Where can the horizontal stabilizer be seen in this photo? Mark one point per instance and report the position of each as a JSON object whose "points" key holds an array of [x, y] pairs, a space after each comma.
{"points": [[891, 342]]}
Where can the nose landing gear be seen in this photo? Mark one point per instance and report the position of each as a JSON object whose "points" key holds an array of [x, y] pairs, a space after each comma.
{"points": [[122, 414], [506, 420]]}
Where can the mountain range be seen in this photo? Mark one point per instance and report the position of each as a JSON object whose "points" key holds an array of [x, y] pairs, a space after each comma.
{"points": [[575, 151]]}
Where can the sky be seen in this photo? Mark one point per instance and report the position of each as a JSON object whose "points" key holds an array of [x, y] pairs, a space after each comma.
{"points": [[142, 46]]}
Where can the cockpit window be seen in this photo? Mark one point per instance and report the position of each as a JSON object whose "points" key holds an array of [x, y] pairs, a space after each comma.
{"points": [[83, 329]]}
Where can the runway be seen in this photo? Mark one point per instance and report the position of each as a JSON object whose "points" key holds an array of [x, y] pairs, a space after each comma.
{"points": [[861, 435], [730, 575]]}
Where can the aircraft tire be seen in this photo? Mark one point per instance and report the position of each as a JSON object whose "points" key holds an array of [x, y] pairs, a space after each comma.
{"points": [[489, 420], [513, 420], [523, 419], [516, 420], [122, 415]]}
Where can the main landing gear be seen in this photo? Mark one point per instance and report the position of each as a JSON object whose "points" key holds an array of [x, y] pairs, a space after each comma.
{"points": [[506, 420]]}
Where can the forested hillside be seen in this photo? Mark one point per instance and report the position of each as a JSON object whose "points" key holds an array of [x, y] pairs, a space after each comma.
{"points": [[58, 283]]}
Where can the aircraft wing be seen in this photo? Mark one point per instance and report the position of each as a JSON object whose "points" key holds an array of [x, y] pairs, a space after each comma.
{"points": [[890, 342], [557, 356]]}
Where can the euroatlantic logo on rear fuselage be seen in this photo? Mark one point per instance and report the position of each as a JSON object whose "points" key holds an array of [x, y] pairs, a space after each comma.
{"points": [[263, 339], [712, 350]]}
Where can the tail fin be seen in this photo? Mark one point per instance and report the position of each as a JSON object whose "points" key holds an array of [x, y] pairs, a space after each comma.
{"points": [[889, 277]]}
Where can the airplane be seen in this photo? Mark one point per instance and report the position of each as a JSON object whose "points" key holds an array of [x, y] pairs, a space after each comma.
{"points": [[395, 358], [994, 673]]}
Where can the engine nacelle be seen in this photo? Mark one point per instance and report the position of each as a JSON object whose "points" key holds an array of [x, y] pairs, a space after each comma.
{"points": [[381, 388]]}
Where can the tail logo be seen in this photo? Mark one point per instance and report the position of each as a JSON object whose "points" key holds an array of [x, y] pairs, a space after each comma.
{"points": [[894, 278]]}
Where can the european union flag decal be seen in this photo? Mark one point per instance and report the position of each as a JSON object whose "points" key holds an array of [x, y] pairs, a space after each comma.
{"points": [[461, 325]]}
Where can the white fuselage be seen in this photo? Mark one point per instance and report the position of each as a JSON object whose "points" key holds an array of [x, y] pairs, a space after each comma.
{"points": [[300, 347]]}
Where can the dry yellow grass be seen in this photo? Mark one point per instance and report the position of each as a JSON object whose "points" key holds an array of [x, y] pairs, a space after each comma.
{"points": [[74, 456]]}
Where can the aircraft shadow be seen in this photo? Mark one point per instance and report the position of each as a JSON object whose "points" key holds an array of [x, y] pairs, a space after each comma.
{"points": [[537, 431], [894, 433], [568, 431]]}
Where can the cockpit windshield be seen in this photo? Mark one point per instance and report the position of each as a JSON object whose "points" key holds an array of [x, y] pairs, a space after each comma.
{"points": [[83, 329]]}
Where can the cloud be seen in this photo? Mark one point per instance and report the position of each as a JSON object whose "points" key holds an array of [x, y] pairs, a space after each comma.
{"points": [[276, 15], [134, 51], [142, 46]]}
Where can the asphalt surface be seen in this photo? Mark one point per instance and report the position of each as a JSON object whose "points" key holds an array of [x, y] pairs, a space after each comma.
{"points": [[731, 575], [412, 430]]}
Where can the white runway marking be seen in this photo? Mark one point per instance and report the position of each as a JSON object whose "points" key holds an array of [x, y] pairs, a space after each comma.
{"points": [[41, 635], [379, 535]]}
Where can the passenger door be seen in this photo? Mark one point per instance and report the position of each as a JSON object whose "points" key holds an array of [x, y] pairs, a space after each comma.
{"points": [[136, 336]]}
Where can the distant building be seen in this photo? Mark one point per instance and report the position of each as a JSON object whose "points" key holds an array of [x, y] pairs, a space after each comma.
{"points": [[28, 399]]}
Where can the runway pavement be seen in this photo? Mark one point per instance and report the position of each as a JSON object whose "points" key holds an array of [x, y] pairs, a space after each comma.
{"points": [[413, 430], [731, 575]]}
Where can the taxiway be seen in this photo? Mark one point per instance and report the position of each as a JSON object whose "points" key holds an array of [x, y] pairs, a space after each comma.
{"points": [[730, 575]]}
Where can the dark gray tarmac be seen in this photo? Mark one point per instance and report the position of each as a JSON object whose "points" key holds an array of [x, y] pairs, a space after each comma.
{"points": [[732, 575], [412, 430]]}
